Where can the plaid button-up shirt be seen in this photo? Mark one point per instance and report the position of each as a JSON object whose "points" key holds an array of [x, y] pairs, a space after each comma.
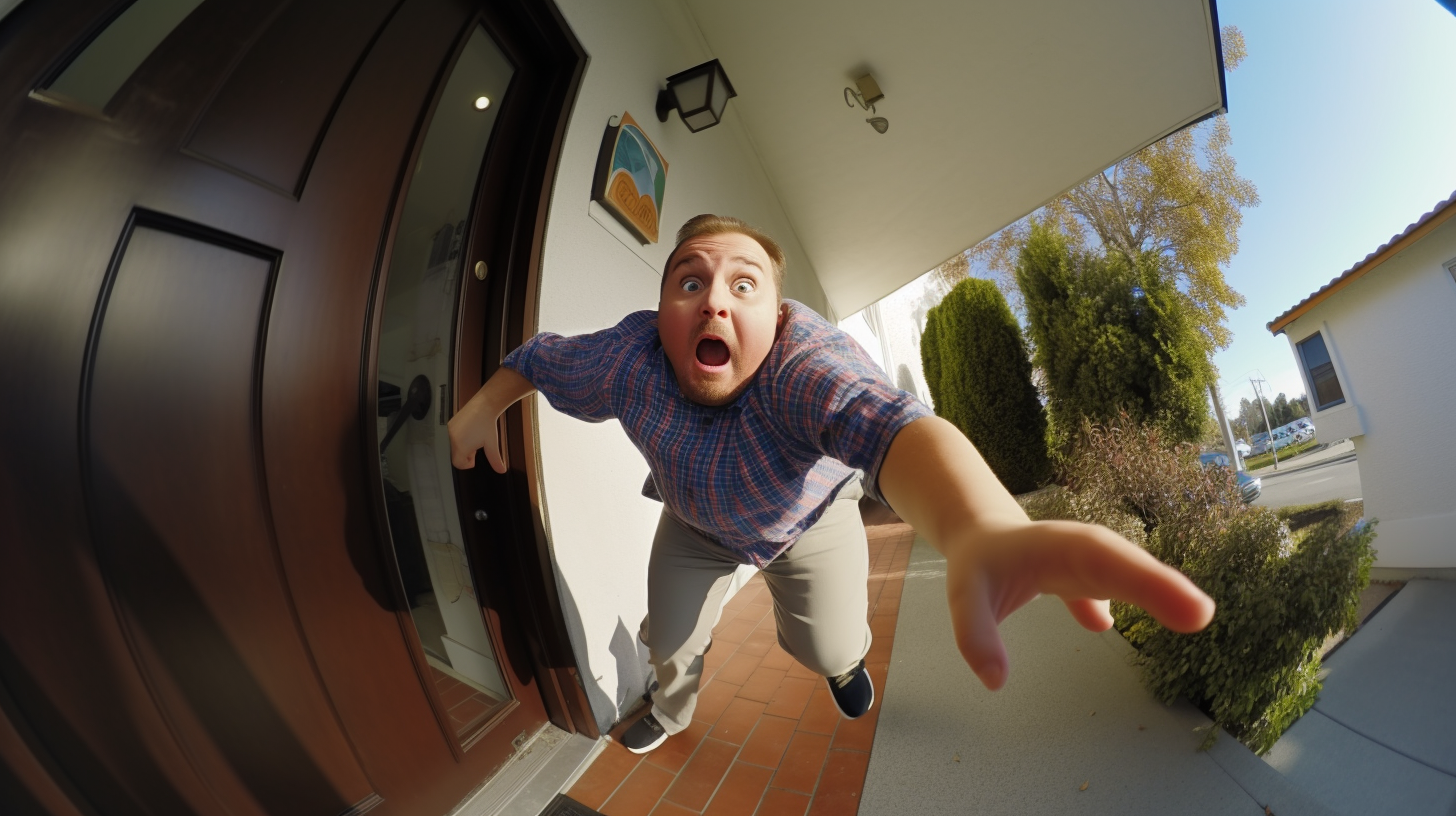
{"points": [[752, 475]]}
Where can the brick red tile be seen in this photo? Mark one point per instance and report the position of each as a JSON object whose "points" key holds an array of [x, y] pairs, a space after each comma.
{"points": [[734, 631], [800, 670], [639, 793], [673, 754], [762, 685], [759, 643], [716, 656], [783, 803], [820, 716], [737, 669], [840, 787], [699, 779], [777, 658], [879, 651], [606, 773], [737, 721], [858, 734], [879, 672], [666, 808], [882, 625], [713, 700], [791, 697], [766, 745], [740, 791], [803, 761]]}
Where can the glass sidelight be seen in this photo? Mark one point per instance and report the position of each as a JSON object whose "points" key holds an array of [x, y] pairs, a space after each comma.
{"points": [[415, 344]]}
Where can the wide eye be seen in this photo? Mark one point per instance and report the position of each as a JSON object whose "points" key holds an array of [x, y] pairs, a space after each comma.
{"points": [[743, 286], [691, 285]]}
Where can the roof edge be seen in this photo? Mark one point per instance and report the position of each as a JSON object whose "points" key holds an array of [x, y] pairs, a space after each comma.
{"points": [[1415, 232]]}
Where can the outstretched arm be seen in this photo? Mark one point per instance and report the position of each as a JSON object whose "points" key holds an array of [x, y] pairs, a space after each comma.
{"points": [[474, 427], [997, 559]]}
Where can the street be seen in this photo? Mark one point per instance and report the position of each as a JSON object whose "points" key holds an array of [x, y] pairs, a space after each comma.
{"points": [[1337, 479]]}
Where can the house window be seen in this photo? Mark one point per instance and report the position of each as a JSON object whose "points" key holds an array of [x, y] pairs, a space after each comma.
{"points": [[1327, 392]]}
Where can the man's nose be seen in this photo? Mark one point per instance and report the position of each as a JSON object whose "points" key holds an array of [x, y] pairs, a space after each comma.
{"points": [[715, 302]]}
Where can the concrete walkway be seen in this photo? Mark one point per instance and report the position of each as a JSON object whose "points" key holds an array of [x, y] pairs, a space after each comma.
{"points": [[1075, 731]]}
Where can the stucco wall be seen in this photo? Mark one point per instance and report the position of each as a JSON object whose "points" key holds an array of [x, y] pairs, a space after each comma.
{"points": [[1391, 335], [594, 273]]}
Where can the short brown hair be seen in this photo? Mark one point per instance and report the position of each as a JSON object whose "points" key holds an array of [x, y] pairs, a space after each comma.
{"points": [[708, 224]]}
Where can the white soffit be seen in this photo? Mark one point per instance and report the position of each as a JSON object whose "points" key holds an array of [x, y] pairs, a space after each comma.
{"points": [[994, 108]]}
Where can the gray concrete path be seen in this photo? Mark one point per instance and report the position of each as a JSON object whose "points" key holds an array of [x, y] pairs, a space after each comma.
{"points": [[1381, 740], [1382, 737], [1073, 712]]}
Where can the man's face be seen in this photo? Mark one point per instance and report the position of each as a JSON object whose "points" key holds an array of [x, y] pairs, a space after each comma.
{"points": [[718, 315]]}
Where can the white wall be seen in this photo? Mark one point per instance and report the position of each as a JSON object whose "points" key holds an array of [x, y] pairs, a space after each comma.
{"points": [[1391, 335], [594, 273]]}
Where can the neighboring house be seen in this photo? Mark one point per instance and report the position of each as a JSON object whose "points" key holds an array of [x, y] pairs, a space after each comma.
{"points": [[1374, 346], [247, 244]]}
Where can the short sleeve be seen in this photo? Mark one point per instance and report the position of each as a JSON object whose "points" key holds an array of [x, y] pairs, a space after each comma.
{"points": [[832, 397], [575, 373]]}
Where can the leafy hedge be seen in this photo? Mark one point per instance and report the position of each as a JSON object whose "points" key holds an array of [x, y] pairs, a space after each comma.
{"points": [[1255, 668], [1111, 334], [979, 376]]}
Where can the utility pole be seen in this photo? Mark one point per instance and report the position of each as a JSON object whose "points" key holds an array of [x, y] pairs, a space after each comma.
{"points": [[1267, 428], [1223, 427]]}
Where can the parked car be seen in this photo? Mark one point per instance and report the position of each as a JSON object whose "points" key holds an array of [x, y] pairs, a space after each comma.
{"points": [[1242, 447], [1251, 487]]}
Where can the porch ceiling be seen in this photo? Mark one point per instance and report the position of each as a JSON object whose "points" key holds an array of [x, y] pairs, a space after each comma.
{"points": [[994, 109]]}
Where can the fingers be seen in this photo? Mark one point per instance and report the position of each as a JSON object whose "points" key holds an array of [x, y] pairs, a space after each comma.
{"points": [[974, 623], [1097, 563], [1092, 614]]}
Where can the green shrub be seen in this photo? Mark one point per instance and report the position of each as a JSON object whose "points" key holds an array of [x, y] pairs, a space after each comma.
{"points": [[1255, 668], [979, 375], [1111, 334]]}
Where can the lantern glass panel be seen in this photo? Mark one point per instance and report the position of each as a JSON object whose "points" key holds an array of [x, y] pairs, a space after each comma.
{"points": [[700, 120], [720, 95], [692, 93]]}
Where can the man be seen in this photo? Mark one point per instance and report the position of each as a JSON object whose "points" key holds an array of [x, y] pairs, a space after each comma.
{"points": [[757, 418]]}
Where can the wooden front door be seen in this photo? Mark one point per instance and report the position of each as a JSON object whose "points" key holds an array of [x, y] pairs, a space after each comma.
{"points": [[232, 234]]}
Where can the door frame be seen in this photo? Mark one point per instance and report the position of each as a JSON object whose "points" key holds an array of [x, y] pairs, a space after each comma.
{"points": [[509, 554]]}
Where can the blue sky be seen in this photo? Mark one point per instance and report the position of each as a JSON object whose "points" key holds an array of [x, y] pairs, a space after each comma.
{"points": [[1344, 116]]}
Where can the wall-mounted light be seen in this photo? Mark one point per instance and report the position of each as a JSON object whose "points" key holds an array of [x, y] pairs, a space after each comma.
{"points": [[867, 95], [699, 94]]}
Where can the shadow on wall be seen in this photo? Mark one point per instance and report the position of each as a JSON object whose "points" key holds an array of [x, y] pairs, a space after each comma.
{"points": [[630, 654]]}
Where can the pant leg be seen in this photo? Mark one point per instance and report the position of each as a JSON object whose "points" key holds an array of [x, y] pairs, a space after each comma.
{"points": [[687, 578], [820, 590]]}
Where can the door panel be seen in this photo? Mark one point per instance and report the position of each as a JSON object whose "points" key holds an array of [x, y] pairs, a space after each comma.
{"points": [[182, 528], [201, 612], [267, 119]]}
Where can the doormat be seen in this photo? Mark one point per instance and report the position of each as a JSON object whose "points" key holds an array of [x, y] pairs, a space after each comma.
{"points": [[564, 805]]}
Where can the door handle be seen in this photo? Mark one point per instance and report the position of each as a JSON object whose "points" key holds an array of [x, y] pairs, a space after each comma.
{"points": [[416, 405]]}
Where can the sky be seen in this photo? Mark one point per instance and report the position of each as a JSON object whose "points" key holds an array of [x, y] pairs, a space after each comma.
{"points": [[1344, 116]]}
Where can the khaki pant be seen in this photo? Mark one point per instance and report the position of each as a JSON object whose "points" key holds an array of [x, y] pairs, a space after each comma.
{"points": [[819, 595]]}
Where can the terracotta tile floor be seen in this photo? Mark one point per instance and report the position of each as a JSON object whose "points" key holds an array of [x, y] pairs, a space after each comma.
{"points": [[766, 738]]}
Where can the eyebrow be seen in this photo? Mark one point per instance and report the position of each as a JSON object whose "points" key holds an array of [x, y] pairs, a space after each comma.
{"points": [[743, 259]]}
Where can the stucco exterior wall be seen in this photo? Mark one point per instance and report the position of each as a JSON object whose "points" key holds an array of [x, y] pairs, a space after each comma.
{"points": [[1391, 335], [593, 274]]}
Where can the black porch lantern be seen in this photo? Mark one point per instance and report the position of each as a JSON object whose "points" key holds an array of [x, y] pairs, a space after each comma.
{"points": [[700, 94]]}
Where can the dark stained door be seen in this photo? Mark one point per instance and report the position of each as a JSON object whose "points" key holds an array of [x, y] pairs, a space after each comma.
{"points": [[201, 603]]}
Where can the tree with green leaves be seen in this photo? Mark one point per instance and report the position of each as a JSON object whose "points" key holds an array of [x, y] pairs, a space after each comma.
{"points": [[1111, 333], [1179, 199], [979, 376]]}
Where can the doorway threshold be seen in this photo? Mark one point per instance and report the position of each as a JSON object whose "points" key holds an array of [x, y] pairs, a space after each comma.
{"points": [[543, 767]]}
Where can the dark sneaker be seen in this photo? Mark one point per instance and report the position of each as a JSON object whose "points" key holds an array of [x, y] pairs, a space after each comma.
{"points": [[852, 691], [644, 735]]}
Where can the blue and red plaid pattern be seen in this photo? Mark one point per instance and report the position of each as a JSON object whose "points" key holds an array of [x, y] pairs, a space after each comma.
{"points": [[753, 475]]}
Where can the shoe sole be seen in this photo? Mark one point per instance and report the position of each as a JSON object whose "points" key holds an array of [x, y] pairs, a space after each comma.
{"points": [[644, 749], [841, 711]]}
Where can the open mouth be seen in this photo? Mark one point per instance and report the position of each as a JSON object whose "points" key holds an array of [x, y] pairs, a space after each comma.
{"points": [[712, 352]]}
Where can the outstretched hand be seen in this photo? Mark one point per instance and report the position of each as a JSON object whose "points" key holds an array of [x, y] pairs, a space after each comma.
{"points": [[997, 560], [999, 571]]}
